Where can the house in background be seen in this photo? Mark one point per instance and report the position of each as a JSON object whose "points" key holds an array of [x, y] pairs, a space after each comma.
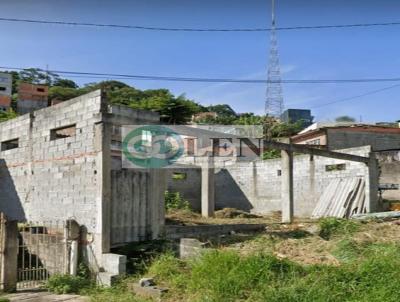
{"points": [[5, 102], [5, 84], [339, 136], [32, 97]]}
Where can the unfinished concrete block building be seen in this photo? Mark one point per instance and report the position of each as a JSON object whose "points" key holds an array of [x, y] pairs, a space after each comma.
{"points": [[64, 162]]}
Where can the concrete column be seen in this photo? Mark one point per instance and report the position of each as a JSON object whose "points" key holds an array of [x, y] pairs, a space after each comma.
{"points": [[287, 186], [103, 160], [207, 188], [371, 185], [10, 256], [312, 179]]}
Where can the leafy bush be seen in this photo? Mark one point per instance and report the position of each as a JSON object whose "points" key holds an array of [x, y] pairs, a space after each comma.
{"points": [[2, 299], [174, 201], [331, 226], [66, 284]]}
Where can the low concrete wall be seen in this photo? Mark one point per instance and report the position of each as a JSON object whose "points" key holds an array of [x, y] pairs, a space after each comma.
{"points": [[202, 231]]}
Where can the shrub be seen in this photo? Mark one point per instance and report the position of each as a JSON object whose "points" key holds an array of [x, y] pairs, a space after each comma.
{"points": [[174, 201], [331, 226], [66, 284]]}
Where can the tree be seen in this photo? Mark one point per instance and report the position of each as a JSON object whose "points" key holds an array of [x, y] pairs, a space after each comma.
{"points": [[222, 110], [7, 115], [65, 83], [38, 76], [345, 118], [64, 93]]}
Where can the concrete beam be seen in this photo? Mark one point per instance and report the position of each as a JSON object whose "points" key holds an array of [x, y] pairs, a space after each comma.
{"points": [[287, 186], [314, 151], [207, 188]]}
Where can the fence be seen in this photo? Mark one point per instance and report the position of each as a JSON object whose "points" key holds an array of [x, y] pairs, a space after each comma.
{"points": [[31, 252], [43, 250]]}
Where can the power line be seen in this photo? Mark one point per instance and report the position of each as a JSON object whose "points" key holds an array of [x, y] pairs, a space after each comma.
{"points": [[151, 28], [208, 80], [356, 96]]}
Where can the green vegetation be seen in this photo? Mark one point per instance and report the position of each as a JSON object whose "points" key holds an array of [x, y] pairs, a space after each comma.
{"points": [[2, 299], [67, 284], [174, 201], [7, 115], [332, 226], [221, 275], [271, 154], [117, 293]]}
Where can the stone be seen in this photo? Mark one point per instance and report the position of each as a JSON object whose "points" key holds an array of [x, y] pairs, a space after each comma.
{"points": [[144, 282], [152, 292], [190, 247]]}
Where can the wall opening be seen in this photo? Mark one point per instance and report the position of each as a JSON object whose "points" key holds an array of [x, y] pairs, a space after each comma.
{"points": [[337, 167], [3, 89], [63, 132], [10, 144], [179, 176]]}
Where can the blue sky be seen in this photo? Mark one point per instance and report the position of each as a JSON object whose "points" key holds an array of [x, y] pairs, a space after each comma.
{"points": [[306, 54]]}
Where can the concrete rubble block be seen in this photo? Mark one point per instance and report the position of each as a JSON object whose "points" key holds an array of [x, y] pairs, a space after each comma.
{"points": [[114, 263], [190, 247], [146, 282], [148, 292], [106, 279]]}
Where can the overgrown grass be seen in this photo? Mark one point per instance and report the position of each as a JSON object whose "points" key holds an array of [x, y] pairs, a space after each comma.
{"points": [[332, 226], [117, 293], [369, 273]]}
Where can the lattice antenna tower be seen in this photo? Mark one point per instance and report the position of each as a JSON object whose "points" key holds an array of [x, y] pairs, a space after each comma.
{"points": [[274, 102]]}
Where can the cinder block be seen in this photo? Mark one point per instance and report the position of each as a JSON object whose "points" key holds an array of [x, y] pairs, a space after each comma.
{"points": [[114, 263]]}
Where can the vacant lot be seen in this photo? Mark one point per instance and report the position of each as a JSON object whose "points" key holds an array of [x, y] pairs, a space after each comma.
{"points": [[328, 260]]}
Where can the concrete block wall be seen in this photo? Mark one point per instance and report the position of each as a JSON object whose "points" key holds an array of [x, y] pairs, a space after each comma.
{"points": [[58, 177], [389, 163], [256, 186], [189, 187], [53, 179]]}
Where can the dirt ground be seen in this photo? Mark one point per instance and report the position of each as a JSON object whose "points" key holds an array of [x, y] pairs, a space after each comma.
{"points": [[225, 216], [301, 242]]}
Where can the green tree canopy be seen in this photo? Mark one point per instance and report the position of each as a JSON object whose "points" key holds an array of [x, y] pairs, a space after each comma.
{"points": [[345, 118], [222, 110]]}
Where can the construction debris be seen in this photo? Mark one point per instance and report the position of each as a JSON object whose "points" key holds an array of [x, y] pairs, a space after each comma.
{"points": [[342, 198], [381, 215]]}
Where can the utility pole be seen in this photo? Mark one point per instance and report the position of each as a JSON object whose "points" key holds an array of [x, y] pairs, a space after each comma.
{"points": [[274, 99]]}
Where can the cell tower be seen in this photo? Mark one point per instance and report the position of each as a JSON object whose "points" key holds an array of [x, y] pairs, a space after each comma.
{"points": [[274, 102]]}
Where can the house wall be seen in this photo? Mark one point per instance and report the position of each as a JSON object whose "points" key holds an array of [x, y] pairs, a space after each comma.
{"points": [[256, 186], [340, 139]]}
